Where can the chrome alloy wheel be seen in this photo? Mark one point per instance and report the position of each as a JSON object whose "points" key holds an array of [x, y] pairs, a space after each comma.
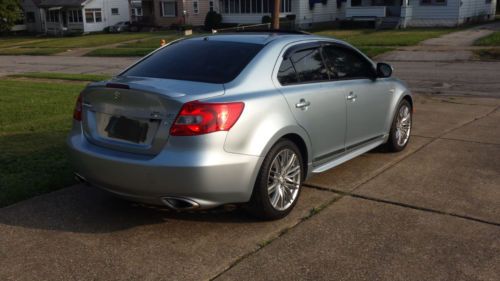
{"points": [[403, 125], [284, 179]]}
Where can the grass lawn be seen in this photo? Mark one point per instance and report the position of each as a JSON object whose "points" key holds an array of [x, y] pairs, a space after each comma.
{"points": [[31, 51], [370, 37], [34, 120], [62, 76], [490, 40], [488, 54], [95, 40], [19, 40]]}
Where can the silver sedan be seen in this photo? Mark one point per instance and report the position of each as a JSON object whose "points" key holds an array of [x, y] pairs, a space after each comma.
{"points": [[236, 118]]}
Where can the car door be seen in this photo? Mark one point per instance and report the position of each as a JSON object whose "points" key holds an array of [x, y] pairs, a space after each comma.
{"points": [[367, 98], [315, 104]]}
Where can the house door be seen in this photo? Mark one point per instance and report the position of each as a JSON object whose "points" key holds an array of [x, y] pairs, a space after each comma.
{"points": [[64, 19]]}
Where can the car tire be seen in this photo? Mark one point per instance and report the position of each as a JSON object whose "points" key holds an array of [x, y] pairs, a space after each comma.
{"points": [[399, 135], [277, 188]]}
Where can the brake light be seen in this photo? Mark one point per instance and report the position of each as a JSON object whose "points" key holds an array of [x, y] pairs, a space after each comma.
{"points": [[77, 113], [197, 118]]}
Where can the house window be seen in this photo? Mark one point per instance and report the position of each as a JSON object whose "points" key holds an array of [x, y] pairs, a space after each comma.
{"points": [[93, 15], [75, 16], [30, 17], [488, 1], [115, 11], [253, 6], [211, 6], [195, 7], [137, 12], [433, 2], [168, 8], [52, 16]]}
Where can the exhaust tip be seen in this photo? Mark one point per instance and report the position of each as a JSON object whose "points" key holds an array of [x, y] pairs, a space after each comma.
{"points": [[180, 204]]}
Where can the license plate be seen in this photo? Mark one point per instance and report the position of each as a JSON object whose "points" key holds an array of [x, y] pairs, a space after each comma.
{"points": [[127, 129]]}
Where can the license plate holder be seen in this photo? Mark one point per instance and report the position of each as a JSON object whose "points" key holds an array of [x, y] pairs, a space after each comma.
{"points": [[127, 129]]}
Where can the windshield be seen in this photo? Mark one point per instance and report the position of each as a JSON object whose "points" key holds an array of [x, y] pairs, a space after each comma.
{"points": [[197, 60]]}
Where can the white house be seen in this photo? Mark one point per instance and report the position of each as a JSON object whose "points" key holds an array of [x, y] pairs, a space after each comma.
{"points": [[400, 12], [66, 16]]}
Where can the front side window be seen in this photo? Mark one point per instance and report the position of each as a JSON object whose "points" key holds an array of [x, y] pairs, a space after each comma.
{"points": [[75, 16], [197, 60], [309, 65], [343, 63], [168, 8], [115, 11]]}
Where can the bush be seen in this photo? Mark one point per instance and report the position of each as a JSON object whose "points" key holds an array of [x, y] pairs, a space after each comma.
{"points": [[213, 20], [266, 19]]}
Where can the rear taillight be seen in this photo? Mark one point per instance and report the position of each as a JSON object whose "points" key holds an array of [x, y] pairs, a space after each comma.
{"points": [[77, 113], [197, 118]]}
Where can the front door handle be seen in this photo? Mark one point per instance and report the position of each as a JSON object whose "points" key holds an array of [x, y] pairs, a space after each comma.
{"points": [[303, 104], [351, 96]]}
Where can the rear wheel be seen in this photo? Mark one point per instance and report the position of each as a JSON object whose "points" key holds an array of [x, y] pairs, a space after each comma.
{"points": [[278, 184], [401, 127]]}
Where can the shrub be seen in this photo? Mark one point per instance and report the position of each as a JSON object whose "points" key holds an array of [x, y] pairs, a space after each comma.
{"points": [[213, 20], [266, 19]]}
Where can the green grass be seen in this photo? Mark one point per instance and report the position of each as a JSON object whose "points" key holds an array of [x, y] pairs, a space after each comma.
{"points": [[35, 118], [488, 54], [31, 51], [151, 43], [94, 40], [490, 40], [62, 76], [19, 40], [375, 51], [365, 37], [120, 52]]}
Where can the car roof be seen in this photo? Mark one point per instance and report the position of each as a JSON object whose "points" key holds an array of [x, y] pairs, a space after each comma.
{"points": [[264, 38]]}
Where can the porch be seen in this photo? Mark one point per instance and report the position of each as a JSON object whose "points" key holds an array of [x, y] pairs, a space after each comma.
{"points": [[376, 9], [62, 20]]}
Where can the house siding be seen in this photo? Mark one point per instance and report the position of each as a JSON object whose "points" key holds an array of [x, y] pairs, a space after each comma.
{"points": [[434, 15], [477, 10], [107, 18], [319, 14], [197, 19], [167, 21], [39, 24]]}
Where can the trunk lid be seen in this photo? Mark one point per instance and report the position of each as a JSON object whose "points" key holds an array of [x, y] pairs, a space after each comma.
{"points": [[134, 114]]}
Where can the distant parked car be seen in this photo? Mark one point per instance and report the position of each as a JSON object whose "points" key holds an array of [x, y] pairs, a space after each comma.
{"points": [[120, 27], [236, 118]]}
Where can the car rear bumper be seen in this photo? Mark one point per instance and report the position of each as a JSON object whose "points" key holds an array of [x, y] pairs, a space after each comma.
{"points": [[197, 169]]}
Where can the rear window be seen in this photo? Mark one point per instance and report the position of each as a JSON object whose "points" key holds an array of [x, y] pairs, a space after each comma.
{"points": [[197, 60]]}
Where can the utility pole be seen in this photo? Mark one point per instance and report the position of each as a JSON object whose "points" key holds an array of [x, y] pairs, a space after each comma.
{"points": [[276, 14]]}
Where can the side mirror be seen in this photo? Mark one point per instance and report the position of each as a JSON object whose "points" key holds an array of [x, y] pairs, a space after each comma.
{"points": [[384, 70]]}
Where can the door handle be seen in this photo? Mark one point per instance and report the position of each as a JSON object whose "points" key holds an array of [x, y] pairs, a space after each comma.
{"points": [[351, 96], [303, 104]]}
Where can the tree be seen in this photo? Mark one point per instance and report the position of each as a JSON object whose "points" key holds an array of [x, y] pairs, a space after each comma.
{"points": [[10, 12]]}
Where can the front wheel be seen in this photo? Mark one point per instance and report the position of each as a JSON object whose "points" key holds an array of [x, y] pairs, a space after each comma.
{"points": [[401, 127], [278, 184]]}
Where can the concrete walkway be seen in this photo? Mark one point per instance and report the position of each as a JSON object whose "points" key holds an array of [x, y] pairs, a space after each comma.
{"points": [[430, 212], [455, 46]]}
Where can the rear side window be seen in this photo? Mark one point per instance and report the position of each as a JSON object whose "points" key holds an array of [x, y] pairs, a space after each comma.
{"points": [[309, 65], [287, 74], [197, 60], [343, 63], [302, 67]]}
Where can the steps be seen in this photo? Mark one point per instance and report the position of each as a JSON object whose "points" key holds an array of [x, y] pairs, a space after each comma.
{"points": [[389, 23]]}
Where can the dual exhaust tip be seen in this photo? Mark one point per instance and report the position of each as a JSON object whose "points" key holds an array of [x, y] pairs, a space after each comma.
{"points": [[176, 203]]}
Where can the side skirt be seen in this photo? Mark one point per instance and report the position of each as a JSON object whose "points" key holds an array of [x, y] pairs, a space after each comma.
{"points": [[361, 149]]}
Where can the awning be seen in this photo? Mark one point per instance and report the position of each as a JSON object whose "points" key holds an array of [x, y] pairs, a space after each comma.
{"points": [[55, 8]]}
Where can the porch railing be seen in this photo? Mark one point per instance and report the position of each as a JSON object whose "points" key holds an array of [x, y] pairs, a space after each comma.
{"points": [[366, 12]]}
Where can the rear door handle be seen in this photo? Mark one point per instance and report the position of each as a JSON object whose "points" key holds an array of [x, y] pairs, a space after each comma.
{"points": [[351, 96], [303, 104]]}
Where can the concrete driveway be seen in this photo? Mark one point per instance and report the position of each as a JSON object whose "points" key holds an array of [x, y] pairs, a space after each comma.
{"points": [[431, 212]]}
